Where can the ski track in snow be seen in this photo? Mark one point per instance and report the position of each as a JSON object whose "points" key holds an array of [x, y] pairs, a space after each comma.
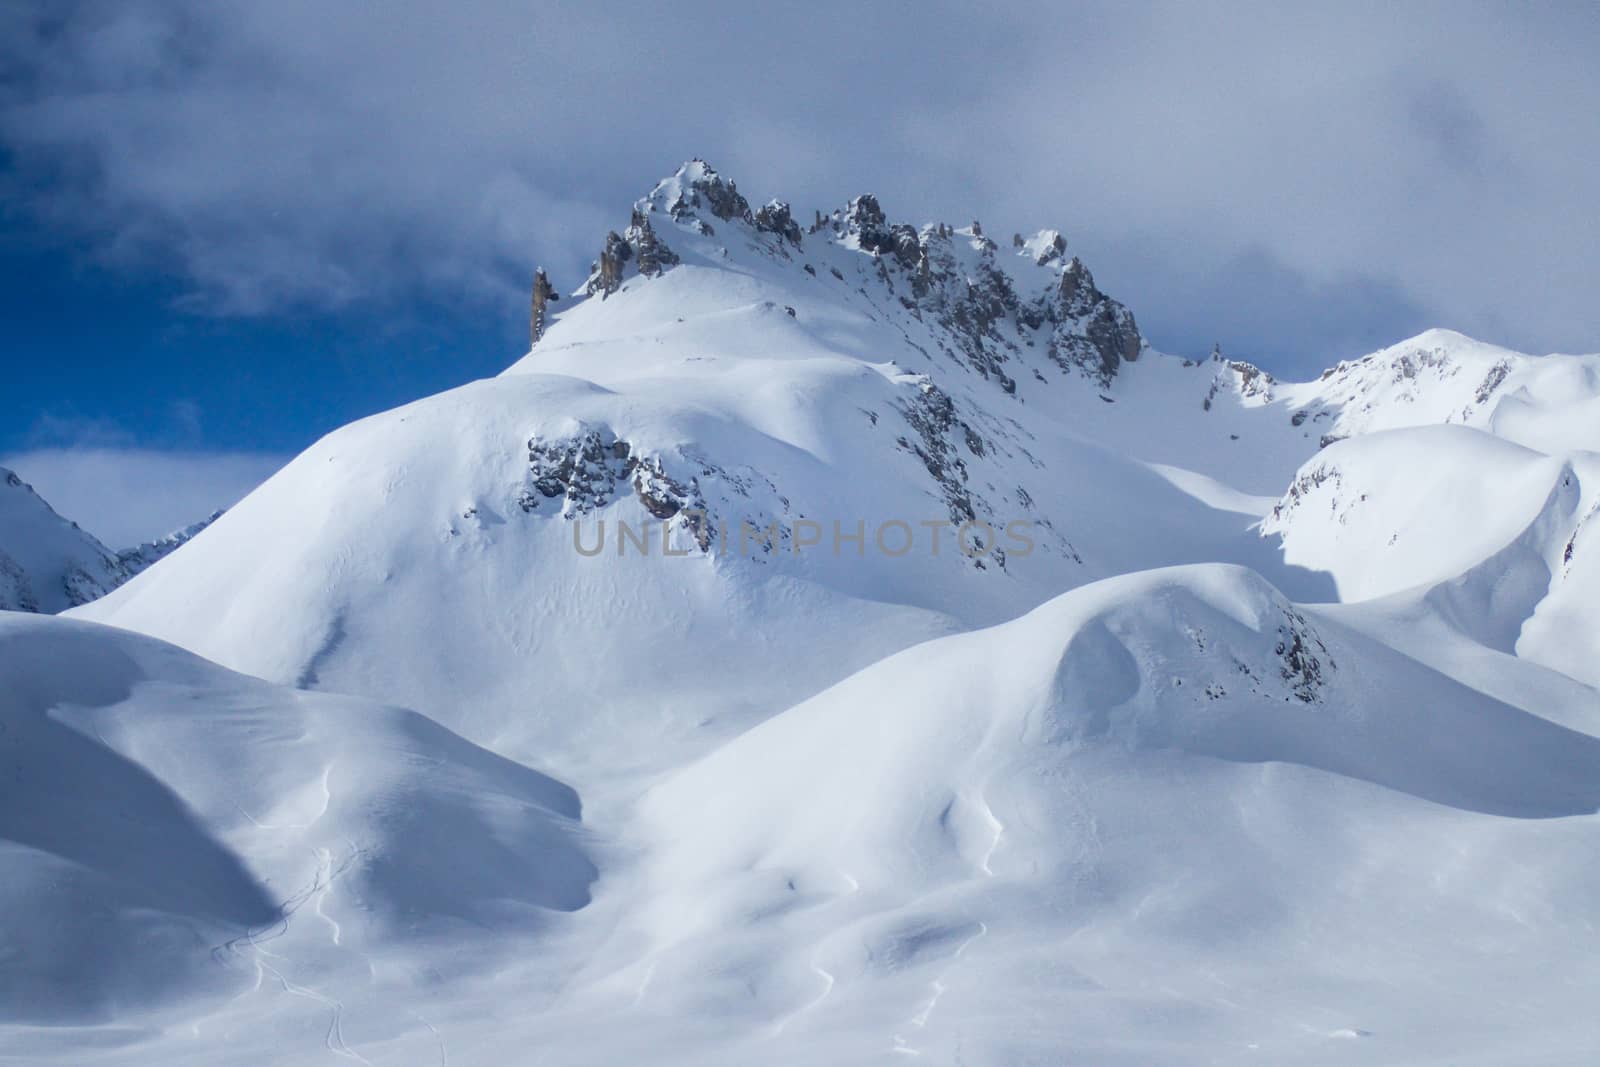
{"points": [[316, 893]]}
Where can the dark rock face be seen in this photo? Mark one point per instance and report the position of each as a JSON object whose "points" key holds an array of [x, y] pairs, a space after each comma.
{"points": [[865, 219], [651, 252], [939, 434], [1102, 333], [1088, 331], [775, 218], [605, 275], [1492, 381], [1302, 654], [1053, 251], [584, 473], [581, 472]]}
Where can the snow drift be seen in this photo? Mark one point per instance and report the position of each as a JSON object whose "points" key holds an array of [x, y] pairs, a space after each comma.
{"points": [[163, 821]]}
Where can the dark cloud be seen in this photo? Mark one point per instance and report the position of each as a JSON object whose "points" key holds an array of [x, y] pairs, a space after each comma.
{"points": [[1287, 179]]}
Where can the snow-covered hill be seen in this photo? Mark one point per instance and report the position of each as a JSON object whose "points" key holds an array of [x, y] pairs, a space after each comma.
{"points": [[427, 555], [1166, 818], [942, 668], [173, 830]]}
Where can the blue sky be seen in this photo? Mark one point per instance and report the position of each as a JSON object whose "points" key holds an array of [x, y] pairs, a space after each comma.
{"points": [[228, 229]]}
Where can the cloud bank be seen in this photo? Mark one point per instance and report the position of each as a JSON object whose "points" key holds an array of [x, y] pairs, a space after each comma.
{"points": [[1298, 183], [126, 496]]}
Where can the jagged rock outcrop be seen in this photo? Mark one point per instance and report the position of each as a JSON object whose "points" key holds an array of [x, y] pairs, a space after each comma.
{"points": [[987, 313], [651, 253], [637, 249], [940, 436], [578, 475], [1097, 328], [697, 185], [776, 218], [1248, 381]]}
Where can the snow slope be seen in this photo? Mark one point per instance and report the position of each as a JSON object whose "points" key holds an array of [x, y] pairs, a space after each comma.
{"points": [[173, 832], [855, 375], [426, 555], [1168, 817], [1165, 818], [1481, 532], [1278, 744]]}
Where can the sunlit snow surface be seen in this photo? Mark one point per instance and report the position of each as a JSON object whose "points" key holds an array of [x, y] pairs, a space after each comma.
{"points": [[1278, 748]]}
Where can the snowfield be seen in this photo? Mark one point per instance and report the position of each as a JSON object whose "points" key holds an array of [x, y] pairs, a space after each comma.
{"points": [[1274, 738]]}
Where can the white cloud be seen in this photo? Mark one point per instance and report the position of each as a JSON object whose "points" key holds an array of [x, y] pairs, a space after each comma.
{"points": [[127, 496]]}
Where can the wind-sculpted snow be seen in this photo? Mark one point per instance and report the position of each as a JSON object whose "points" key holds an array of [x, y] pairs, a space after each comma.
{"points": [[172, 828], [947, 673], [1112, 823], [1483, 532], [434, 555]]}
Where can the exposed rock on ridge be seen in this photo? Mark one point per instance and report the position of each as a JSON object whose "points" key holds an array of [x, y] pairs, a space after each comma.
{"points": [[988, 312]]}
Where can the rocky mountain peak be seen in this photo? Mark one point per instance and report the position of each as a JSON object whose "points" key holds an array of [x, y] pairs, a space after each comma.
{"points": [[1044, 247], [987, 308], [697, 188]]}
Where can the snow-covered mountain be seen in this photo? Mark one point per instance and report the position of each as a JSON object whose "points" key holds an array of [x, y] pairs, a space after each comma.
{"points": [[943, 670], [860, 377], [148, 553], [46, 562], [49, 564]]}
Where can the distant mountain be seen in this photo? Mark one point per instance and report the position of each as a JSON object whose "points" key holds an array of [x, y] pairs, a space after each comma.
{"points": [[48, 564], [151, 552]]}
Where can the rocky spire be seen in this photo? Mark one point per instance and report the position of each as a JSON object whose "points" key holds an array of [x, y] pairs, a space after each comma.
{"points": [[605, 275], [543, 295], [1104, 327], [654, 256], [639, 245]]}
